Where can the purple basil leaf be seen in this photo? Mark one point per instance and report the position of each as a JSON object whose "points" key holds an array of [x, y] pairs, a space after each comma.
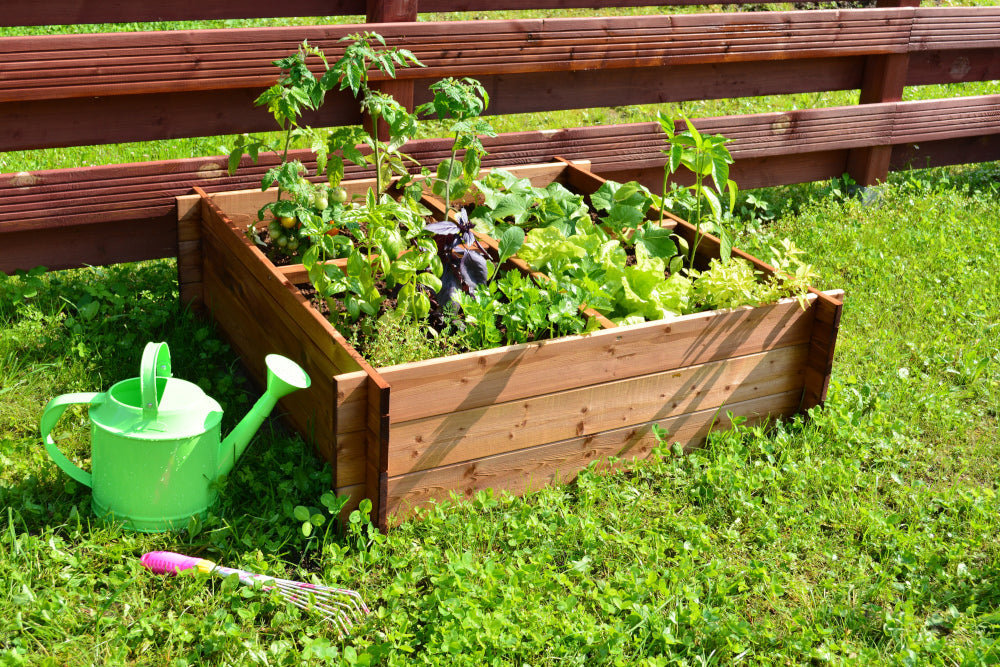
{"points": [[474, 270], [449, 283], [443, 228]]}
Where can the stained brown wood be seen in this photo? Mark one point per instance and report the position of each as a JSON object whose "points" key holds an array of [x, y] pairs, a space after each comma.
{"points": [[826, 325], [527, 470], [377, 447], [66, 12], [504, 427], [477, 379], [88, 208], [67, 66]]}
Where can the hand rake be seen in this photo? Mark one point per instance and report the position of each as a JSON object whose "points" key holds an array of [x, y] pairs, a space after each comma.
{"points": [[341, 606]]}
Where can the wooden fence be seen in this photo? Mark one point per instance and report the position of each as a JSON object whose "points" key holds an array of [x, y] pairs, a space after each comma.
{"points": [[67, 90]]}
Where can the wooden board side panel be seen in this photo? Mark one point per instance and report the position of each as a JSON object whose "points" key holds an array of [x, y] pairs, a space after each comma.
{"points": [[478, 379], [471, 434], [284, 296], [822, 345], [255, 328], [526, 470]]}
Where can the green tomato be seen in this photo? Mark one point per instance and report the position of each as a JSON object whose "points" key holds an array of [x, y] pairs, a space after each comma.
{"points": [[281, 240], [338, 194], [293, 244], [320, 201]]}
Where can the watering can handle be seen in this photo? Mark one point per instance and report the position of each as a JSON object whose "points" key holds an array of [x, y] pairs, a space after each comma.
{"points": [[53, 411], [155, 363]]}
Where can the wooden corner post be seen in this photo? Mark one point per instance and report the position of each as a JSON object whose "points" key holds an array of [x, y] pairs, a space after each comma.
{"points": [[392, 11], [883, 80]]}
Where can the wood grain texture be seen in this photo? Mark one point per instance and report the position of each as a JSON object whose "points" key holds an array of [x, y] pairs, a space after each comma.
{"points": [[505, 427], [112, 64], [477, 379], [527, 470], [116, 213], [67, 12]]}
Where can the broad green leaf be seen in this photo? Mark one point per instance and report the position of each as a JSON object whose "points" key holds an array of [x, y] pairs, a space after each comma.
{"points": [[510, 242], [655, 240], [430, 280]]}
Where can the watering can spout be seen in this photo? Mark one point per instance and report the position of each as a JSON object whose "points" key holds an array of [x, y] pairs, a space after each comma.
{"points": [[283, 377]]}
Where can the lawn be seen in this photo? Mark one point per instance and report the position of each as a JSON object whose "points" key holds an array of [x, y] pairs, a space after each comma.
{"points": [[865, 534]]}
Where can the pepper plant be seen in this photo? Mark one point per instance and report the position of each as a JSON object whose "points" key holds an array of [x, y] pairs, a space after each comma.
{"points": [[708, 159]]}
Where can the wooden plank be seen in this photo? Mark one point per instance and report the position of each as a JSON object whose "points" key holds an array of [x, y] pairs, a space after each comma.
{"points": [[528, 470], [350, 458], [182, 61], [352, 401], [504, 427], [123, 213], [149, 116], [376, 448], [189, 259], [285, 295], [933, 67], [584, 89], [68, 12], [96, 244], [240, 306], [884, 81], [112, 119], [478, 379], [963, 150], [827, 312]]}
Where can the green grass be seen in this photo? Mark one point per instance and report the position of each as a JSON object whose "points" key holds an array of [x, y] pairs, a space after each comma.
{"points": [[865, 535]]}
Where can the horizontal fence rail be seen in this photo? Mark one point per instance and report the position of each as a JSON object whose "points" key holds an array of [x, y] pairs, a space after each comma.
{"points": [[67, 12], [168, 85], [108, 88]]}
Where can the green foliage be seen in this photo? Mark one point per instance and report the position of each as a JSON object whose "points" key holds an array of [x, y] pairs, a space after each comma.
{"points": [[461, 102], [510, 200], [397, 339], [516, 309], [863, 535], [704, 155]]}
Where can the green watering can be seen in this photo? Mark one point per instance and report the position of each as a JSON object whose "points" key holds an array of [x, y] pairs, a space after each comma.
{"points": [[156, 444]]}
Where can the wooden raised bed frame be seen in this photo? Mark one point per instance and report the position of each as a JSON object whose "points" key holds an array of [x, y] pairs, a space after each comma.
{"points": [[513, 418]]}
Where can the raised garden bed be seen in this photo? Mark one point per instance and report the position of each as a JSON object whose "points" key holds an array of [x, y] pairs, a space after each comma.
{"points": [[512, 418]]}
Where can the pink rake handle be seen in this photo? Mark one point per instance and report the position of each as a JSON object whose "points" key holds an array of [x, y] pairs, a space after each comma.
{"points": [[168, 562], [339, 605]]}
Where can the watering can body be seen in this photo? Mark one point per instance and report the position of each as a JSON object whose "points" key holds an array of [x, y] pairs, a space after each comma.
{"points": [[156, 443]]}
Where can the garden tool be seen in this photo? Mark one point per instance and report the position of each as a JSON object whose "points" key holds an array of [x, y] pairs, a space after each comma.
{"points": [[156, 444], [341, 606]]}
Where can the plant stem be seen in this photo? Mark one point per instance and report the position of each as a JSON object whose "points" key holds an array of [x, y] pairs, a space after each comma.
{"points": [[284, 155], [378, 157], [447, 181], [697, 226], [663, 194]]}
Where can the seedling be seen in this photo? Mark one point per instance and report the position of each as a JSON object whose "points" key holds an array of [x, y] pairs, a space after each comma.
{"points": [[705, 156]]}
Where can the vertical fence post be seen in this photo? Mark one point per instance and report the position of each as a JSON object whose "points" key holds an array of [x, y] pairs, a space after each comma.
{"points": [[392, 11], [883, 80]]}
